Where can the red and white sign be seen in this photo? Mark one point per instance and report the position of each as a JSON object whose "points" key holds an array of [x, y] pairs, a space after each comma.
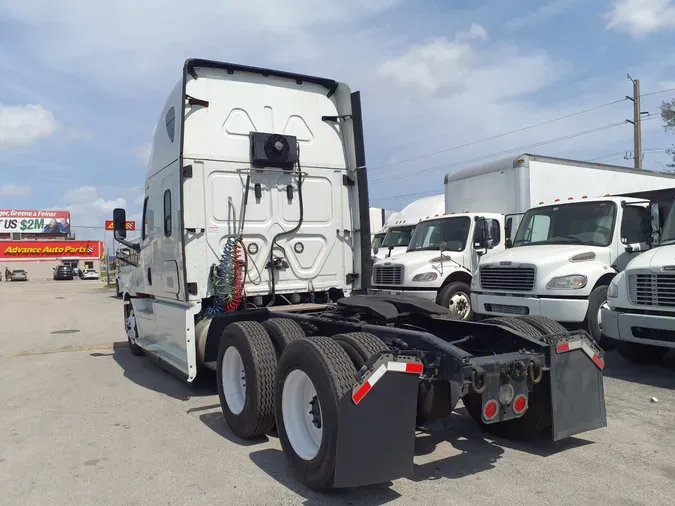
{"points": [[129, 225], [34, 221], [45, 250]]}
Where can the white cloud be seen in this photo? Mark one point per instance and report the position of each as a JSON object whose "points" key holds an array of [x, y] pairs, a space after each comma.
{"points": [[537, 16], [23, 125], [436, 67], [88, 209], [475, 32], [440, 68], [143, 153], [14, 190], [639, 18]]}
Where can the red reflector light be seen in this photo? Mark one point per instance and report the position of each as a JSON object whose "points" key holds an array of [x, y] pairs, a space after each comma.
{"points": [[562, 348], [490, 409], [414, 368], [519, 404]]}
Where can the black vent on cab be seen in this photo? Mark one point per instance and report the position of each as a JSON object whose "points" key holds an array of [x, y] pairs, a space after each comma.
{"points": [[273, 150]]}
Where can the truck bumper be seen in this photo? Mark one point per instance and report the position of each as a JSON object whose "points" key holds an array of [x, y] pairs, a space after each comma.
{"points": [[639, 328], [424, 294], [560, 310]]}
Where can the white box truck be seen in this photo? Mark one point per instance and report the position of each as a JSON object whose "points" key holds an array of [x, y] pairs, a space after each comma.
{"points": [[483, 205], [401, 225], [567, 249], [257, 189], [640, 311]]}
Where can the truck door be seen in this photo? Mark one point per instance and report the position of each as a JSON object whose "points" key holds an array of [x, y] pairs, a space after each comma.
{"points": [[169, 250], [633, 231]]}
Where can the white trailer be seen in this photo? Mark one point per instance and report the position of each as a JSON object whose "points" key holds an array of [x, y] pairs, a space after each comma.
{"points": [[401, 225], [567, 249], [640, 311], [483, 205]]}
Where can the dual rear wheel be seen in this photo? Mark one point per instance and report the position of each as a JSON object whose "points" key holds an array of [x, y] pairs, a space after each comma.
{"points": [[272, 374]]}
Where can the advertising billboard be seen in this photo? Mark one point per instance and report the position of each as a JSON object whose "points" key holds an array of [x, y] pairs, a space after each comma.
{"points": [[45, 250], [129, 225], [34, 221]]}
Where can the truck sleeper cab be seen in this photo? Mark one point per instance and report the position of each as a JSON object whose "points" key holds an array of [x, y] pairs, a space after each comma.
{"points": [[640, 311], [563, 258], [344, 381]]}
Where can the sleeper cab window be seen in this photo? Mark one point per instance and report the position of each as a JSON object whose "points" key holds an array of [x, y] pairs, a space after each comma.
{"points": [[167, 213], [171, 123]]}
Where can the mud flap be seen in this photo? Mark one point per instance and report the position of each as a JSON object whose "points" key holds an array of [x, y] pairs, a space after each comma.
{"points": [[577, 389], [376, 428]]}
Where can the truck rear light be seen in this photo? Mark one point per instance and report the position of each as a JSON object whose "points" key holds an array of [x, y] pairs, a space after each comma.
{"points": [[506, 394], [520, 404], [490, 410]]}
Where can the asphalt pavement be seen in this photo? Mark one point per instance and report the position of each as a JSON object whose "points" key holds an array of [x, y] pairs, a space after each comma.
{"points": [[85, 422]]}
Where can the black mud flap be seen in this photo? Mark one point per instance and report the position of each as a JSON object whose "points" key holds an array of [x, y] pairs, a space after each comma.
{"points": [[376, 427], [577, 389]]}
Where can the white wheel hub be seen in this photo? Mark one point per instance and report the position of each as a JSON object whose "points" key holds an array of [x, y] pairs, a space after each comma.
{"points": [[460, 304], [234, 380], [130, 326], [301, 410]]}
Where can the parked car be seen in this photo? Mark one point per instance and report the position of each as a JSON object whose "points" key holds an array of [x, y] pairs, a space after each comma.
{"points": [[89, 274], [19, 275], [63, 272]]}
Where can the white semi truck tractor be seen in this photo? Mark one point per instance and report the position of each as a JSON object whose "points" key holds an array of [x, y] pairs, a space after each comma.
{"points": [[567, 250], [254, 261], [640, 311], [483, 206]]}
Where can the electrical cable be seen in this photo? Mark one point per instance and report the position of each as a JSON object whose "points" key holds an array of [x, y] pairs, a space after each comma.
{"points": [[271, 265], [498, 153]]}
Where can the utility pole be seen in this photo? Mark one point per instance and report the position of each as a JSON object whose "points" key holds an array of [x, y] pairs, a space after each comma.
{"points": [[637, 123]]}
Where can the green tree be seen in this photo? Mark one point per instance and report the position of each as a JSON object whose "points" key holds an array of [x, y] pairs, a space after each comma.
{"points": [[668, 117]]}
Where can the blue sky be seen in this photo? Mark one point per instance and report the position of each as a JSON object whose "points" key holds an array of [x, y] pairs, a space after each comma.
{"points": [[82, 83]]}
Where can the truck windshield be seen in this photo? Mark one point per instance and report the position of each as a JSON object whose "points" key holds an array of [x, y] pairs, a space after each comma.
{"points": [[398, 237], [590, 223], [428, 235], [668, 233]]}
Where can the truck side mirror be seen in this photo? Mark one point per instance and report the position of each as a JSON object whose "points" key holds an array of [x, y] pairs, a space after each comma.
{"points": [[655, 224], [376, 248], [443, 246], [482, 235], [508, 226], [119, 223]]}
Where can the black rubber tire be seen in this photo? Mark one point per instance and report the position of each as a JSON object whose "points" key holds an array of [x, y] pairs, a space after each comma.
{"points": [[537, 419], [597, 298], [543, 324], [283, 331], [641, 353], [333, 375], [257, 353], [360, 346], [451, 289], [516, 324], [136, 350]]}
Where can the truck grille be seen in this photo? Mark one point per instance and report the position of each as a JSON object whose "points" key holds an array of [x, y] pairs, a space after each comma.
{"points": [[652, 289], [388, 275], [507, 278]]}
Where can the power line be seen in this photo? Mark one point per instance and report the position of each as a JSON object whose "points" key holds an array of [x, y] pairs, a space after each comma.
{"points": [[492, 155], [498, 153], [472, 143]]}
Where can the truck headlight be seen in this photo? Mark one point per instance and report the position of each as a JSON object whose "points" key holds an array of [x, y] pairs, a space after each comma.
{"points": [[425, 276], [573, 282], [613, 289]]}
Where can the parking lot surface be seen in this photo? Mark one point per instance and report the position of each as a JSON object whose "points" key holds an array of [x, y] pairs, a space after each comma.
{"points": [[85, 422]]}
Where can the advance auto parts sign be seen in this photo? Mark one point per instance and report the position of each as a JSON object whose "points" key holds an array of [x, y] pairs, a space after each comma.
{"points": [[34, 222], [49, 249]]}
